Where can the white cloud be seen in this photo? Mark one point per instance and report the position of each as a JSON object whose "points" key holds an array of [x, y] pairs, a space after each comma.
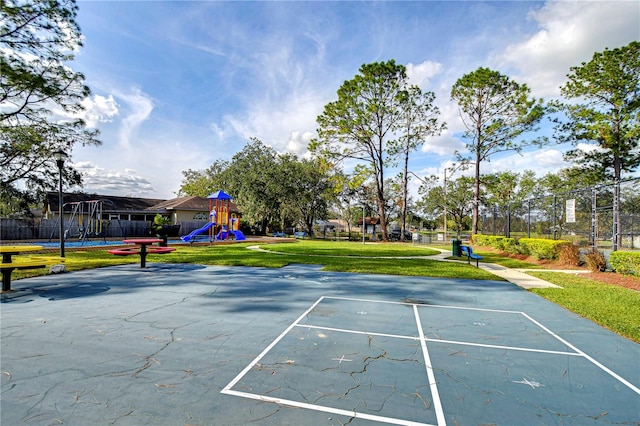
{"points": [[139, 107], [99, 109], [286, 124], [570, 33], [421, 74], [445, 144], [299, 141], [217, 131], [112, 182], [541, 161]]}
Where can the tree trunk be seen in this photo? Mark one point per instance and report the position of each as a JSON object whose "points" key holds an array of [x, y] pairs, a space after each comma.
{"points": [[476, 198], [405, 180]]}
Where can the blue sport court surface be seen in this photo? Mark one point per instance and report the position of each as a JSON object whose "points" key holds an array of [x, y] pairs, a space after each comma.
{"points": [[195, 345]]}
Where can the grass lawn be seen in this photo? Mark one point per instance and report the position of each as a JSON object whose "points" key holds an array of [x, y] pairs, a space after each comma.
{"points": [[615, 308], [335, 256]]}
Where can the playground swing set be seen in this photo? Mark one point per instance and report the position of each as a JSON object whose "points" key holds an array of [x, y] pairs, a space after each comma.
{"points": [[222, 224], [86, 218]]}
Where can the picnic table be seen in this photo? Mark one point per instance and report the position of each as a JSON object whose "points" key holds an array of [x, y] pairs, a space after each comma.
{"points": [[9, 263], [142, 248]]}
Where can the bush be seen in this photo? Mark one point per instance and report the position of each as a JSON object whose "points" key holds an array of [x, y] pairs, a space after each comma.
{"points": [[542, 248], [625, 262], [596, 261], [496, 242], [569, 254]]}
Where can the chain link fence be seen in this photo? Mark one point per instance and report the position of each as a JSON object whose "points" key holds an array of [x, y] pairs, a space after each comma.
{"points": [[585, 217]]}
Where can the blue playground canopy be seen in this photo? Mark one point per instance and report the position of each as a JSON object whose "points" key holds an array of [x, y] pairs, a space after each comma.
{"points": [[219, 195]]}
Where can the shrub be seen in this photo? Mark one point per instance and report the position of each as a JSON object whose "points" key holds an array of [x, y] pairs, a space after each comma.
{"points": [[596, 261], [625, 262], [481, 240], [507, 244], [569, 254], [542, 248], [496, 242]]}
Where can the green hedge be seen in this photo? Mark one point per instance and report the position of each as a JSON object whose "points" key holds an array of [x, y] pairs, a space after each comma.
{"points": [[541, 248], [497, 242], [625, 262]]}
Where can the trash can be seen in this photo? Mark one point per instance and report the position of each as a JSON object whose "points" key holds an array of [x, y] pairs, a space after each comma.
{"points": [[456, 250]]}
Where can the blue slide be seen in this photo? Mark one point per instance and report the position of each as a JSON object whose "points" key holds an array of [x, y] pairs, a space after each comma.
{"points": [[187, 238], [239, 235]]}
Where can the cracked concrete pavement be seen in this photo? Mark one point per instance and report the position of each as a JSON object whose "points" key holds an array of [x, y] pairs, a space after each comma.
{"points": [[297, 345]]}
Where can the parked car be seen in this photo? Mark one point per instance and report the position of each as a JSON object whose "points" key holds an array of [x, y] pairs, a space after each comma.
{"points": [[396, 233]]}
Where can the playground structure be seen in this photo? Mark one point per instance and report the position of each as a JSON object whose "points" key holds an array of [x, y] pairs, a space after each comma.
{"points": [[222, 224], [86, 219]]}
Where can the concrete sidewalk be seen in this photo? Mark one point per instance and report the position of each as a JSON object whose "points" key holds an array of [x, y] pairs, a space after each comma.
{"points": [[515, 276]]}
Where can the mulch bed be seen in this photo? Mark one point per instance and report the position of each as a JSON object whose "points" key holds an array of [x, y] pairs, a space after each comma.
{"points": [[627, 281]]}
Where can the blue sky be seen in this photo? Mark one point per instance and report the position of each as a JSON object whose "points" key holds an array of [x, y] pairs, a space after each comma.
{"points": [[177, 85]]}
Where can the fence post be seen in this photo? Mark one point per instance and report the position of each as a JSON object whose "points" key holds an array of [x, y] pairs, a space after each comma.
{"points": [[616, 212], [529, 218], [594, 219]]}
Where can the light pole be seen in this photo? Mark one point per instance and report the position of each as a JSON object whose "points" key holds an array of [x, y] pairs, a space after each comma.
{"points": [[363, 224], [60, 157]]}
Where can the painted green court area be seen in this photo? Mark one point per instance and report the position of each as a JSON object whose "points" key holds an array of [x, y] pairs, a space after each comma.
{"points": [[188, 344]]}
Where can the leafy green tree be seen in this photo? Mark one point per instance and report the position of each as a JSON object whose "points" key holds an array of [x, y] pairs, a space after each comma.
{"points": [[418, 120], [457, 201], [308, 187], [38, 38], [606, 115], [274, 190], [201, 183], [361, 122], [351, 196], [507, 192], [254, 184], [495, 111]]}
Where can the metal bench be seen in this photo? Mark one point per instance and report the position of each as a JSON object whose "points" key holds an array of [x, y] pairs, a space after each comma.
{"points": [[300, 234], [278, 234], [468, 251]]}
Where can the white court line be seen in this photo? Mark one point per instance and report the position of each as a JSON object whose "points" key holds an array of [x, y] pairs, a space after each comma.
{"points": [[423, 305], [510, 348], [268, 348], [429, 339], [437, 405], [325, 409], [596, 363], [365, 333], [431, 377]]}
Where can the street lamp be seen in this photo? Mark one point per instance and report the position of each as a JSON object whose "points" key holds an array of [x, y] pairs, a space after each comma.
{"points": [[60, 157], [363, 228]]}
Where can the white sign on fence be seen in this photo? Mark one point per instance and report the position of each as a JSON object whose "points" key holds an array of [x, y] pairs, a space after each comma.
{"points": [[570, 211]]}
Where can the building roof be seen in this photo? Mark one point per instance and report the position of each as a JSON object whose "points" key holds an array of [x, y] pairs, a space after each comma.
{"points": [[190, 203], [369, 221], [112, 203], [130, 204], [184, 203]]}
